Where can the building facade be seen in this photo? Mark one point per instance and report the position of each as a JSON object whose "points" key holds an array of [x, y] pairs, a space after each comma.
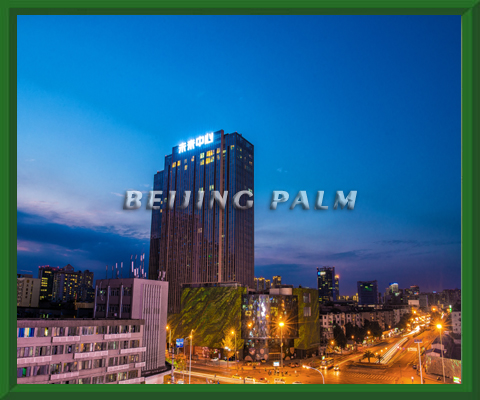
{"points": [[71, 285], [327, 289], [143, 299], [46, 274], [28, 291], [203, 245], [367, 292], [80, 351]]}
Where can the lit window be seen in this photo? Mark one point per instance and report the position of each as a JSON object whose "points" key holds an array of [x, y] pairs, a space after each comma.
{"points": [[202, 155], [201, 162], [174, 165], [185, 167], [208, 161], [218, 150], [193, 158]]}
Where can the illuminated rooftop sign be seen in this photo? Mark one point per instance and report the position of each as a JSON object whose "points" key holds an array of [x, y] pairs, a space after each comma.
{"points": [[198, 142]]}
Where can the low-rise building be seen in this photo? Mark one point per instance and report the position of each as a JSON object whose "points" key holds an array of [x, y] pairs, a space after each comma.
{"points": [[80, 351]]}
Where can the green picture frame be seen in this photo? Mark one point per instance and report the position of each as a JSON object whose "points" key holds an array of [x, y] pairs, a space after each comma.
{"points": [[469, 10]]}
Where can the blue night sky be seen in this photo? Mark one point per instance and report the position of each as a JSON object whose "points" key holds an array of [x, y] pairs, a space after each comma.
{"points": [[330, 103]]}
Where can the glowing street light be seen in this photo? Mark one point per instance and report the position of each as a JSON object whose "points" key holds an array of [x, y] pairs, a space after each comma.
{"points": [[439, 326], [281, 324]]}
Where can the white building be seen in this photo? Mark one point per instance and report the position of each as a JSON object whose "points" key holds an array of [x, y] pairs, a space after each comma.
{"points": [[139, 299], [80, 351], [457, 322], [28, 291]]}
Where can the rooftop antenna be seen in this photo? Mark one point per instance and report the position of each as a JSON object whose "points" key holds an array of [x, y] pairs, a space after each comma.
{"points": [[121, 269], [106, 271]]}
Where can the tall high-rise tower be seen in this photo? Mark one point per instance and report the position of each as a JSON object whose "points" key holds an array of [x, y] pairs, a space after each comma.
{"points": [[205, 245], [326, 284]]}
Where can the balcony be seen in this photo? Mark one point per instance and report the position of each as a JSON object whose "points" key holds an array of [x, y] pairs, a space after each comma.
{"points": [[65, 339], [29, 360], [132, 381], [133, 350], [91, 354], [63, 376], [118, 368], [140, 364], [118, 336]]}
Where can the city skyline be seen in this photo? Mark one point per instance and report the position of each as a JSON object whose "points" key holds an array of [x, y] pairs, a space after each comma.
{"points": [[324, 111]]}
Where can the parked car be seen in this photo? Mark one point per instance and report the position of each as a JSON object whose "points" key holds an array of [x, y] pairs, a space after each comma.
{"points": [[248, 364], [336, 368], [236, 376], [249, 379], [180, 382], [414, 366], [263, 361], [263, 380], [214, 359], [279, 381]]}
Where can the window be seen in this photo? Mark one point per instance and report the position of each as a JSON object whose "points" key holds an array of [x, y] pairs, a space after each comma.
{"points": [[123, 360], [202, 162], [193, 158], [24, 352], [57, 350], [122, 376], [112, 345], [124, 344], [71, 382], [97, 379], [88, 330], [134, 358], [133, 374], [112, 361], [111, 378], [113, 330], [24, 372], [114, 292], [202, 155], [125, 308], [55, 368], [112, 309], [73, 331], [87, 364], [41, 351], [44, 332], [174, 164], [40, 370], [101, 330], [100, 363], [134, 344], [307, 312], [185, 167], [135, 328], [218, 150], [84, 381], [100, 308], [26, 332], [84, 347], [209, 153], [306, 296], [100, 346], [70, 366], [127, 291], [69, 348]]}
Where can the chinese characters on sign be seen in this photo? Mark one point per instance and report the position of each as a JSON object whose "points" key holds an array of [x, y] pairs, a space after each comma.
{"points": [[199, 141]]}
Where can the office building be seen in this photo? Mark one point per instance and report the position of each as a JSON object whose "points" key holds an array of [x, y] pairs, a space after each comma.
{"points": [[276, 281], [143, 299], [28, 291], [326, 284], [367, 292], [71, 285], [46, 274], [205, 245], [337, 287], [80, 351]]}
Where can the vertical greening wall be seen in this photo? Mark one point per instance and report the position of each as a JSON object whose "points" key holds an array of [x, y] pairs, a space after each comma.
{"points": [[308, 322], [210, 312]]}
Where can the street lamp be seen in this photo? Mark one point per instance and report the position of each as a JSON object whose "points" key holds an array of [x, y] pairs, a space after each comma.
{"points": [[307, 367], [281, 344], [190, 372], [235, 333], [439, 326], [171, 350]]}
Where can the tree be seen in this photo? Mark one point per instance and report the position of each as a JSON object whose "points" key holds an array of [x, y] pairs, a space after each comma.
{"points": [[339, 336], [368, 354], [228, 344], [378, 358], [404, 320]]}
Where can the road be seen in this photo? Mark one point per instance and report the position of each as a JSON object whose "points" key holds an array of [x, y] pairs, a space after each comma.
{"points": [[353, 370]]}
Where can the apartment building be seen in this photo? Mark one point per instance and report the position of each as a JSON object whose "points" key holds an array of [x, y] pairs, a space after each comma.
{"points": [[75, 351]]}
